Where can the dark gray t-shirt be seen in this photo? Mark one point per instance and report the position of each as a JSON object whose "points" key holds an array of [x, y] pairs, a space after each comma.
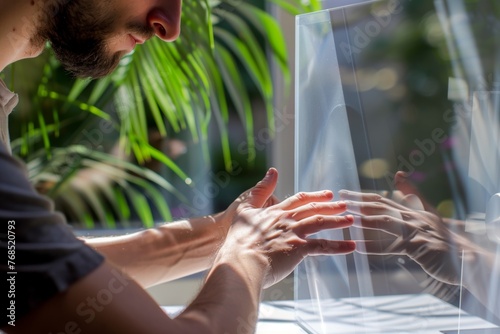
{"points": [[47, 257]]}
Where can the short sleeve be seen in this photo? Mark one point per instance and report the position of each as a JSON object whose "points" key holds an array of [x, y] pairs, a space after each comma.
{"points": [[48, 258]]}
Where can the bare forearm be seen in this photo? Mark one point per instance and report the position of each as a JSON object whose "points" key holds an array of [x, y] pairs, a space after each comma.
{"points": [[165, 253], [230, 297]]}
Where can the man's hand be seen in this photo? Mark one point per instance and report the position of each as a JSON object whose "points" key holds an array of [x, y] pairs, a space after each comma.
{"points": [[278, 233]]}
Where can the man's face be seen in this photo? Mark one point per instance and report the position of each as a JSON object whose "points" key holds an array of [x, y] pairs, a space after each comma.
{"points": [[90, 36]]}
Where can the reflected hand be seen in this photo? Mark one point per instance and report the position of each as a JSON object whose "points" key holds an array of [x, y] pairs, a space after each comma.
{"points": [[278, 232], [411, 227]]}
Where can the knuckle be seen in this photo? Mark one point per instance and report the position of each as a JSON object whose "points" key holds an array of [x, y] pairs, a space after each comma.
{"points": [[320, 220], [301, 196], [386, 218], [313, 206], [297, 242], [290, 215], [374, 207], [323, 245], [282, 226]]}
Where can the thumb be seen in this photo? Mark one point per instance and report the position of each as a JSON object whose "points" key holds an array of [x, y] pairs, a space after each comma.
{"points": [[403, 184], [263, 190]]}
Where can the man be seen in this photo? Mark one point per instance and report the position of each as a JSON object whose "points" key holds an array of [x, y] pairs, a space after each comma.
{"points": [[58, 284]]}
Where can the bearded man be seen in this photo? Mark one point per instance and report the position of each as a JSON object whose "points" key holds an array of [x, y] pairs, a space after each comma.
{"points": [[60, 284]]}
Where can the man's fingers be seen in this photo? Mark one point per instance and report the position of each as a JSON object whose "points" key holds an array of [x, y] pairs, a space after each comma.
{"points": [[357, 196], [315, 208], [303, 198], [384, 223], [390, 246], [328, 247], [372, 208], [347, 195], [319, 223]]}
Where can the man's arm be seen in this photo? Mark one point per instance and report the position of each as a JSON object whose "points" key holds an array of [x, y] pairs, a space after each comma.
{"points": [[263, 245], [168, 252], [107, 301]]}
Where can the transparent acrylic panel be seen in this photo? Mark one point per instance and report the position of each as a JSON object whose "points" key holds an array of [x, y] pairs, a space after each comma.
{"points": [[413, 88]]}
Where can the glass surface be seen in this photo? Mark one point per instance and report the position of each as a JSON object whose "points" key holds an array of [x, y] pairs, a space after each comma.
{"points": [[408, 86]]}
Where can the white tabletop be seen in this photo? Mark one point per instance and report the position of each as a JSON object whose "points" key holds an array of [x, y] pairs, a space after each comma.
{"points": [[415, 314], [274, 317]]}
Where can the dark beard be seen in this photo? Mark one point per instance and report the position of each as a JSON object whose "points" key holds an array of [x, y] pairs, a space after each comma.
{"points": [[76, 30]]}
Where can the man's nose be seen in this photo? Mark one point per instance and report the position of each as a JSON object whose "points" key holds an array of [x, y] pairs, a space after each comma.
{"points": [[166, 24]]}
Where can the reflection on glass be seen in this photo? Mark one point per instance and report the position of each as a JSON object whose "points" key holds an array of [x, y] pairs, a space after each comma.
{"points": [[398, 112]]}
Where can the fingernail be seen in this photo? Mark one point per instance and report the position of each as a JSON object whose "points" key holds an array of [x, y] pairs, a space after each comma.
{"points": [[270, 172], [349, 218], [352, 245], [403, 175], [342, 204], [343, 192]]}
